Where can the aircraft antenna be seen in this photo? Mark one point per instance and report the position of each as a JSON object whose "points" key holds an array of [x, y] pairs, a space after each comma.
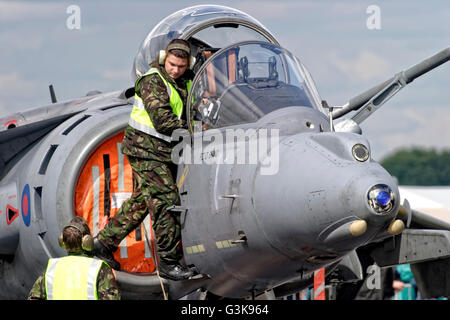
{"points": [[52, 93]]}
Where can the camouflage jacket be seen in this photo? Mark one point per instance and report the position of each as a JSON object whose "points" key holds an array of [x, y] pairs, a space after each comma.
{"points": [[153, 92], [107, 287]]}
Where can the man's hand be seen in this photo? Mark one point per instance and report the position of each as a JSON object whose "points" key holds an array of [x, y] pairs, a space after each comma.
{"points": [[398, 285]]}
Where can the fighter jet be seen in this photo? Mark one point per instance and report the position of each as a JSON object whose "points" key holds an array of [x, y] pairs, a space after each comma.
{"points": [[272, 186]]}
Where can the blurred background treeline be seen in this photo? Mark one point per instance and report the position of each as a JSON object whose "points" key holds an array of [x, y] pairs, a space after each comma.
{"points": [[419, 167]]}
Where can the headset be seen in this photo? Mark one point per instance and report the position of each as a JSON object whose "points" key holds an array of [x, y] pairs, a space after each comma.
{"points": [[161, 58], [87, 242]]}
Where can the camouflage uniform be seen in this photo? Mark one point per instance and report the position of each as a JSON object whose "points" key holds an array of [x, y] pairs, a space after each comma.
{"points": [[154, 174], [107, 288]]}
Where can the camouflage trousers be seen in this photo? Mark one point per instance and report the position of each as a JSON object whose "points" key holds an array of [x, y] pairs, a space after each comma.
{"points": [[154, 190]]}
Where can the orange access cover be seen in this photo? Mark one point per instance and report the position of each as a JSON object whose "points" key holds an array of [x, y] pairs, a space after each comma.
{"points": [[104, 184]]}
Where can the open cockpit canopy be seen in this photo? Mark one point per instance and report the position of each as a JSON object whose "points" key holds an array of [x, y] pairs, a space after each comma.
{"points": [[206, 27], [239, 65]]}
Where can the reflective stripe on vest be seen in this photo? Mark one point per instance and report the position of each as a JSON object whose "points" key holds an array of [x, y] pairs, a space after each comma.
{"points": [[72, 278], [139, 118]]}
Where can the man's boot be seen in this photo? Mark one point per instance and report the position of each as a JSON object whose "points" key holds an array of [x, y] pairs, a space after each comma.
{"points": [[174, 271], [102, 252]]}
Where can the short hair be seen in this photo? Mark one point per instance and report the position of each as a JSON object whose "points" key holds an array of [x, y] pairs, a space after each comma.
{"points": [[183, 52], [72, 237]]}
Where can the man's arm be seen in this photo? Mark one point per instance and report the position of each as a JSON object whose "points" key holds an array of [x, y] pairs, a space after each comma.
{"points": [[157, 104], [38, 291], [107, 287]]}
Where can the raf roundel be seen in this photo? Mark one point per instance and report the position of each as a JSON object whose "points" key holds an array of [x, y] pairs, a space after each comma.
{"points": [[26, 208]]}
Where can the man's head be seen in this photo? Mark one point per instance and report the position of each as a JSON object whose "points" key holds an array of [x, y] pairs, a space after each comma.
{"points": [[177, 60], [76, 236]]}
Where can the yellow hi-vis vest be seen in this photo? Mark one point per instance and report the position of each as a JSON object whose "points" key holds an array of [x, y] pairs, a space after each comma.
{"points": [[72, 278], [139, 118]]}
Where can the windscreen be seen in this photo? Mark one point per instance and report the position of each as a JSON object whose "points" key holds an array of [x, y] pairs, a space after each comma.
{"points": [[243, 82]]}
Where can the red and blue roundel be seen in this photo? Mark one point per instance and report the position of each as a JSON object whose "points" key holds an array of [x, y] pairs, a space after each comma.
{"points": [[26, 205]]}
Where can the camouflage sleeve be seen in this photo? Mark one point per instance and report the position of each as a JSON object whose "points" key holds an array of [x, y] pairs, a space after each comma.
{"points": [[156, 101], [38, 291], [107, 287]]}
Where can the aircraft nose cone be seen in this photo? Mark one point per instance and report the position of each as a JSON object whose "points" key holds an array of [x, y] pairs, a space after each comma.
{"points": [[381, 199]]}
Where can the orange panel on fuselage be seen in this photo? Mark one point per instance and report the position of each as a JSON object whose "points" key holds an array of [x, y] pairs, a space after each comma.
{"points": [[134, 253]]}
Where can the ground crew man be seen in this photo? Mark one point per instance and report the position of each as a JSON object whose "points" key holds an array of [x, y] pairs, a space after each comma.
{"points": [[160, 99], [77, 276]]}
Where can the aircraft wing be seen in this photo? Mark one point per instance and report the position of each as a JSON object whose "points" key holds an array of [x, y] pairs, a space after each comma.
{"points": [[422, 220], [21, 130], [15, 140]]}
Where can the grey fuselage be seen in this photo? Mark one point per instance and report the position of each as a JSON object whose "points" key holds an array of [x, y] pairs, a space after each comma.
{"points": [[252, 231], [287, 224]]}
